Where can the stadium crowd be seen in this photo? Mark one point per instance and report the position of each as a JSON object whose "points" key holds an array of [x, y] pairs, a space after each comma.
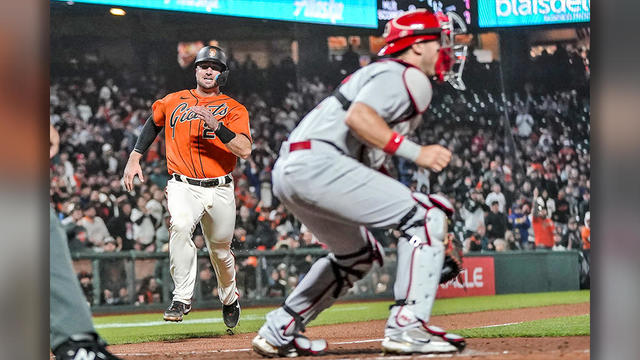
{"points": [[519, 176]]}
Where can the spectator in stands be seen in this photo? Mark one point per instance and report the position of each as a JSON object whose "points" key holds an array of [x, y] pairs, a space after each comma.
{"points": [[481, 234], [149, 291], [583, 205], [94, 225], [520, 223], [70, 222], [208, 282], [500, 245], [512, 242], [557, 241], [121, 227], [585, 233], [78, 240], [562, 213], [524, 122], [543, 228], [246, 275], [572, 239], [162, 233], [113, 277], [277, 285], [159, 175], [143, 226], [496, 222], [472, 244], [472, 212], [549, 203], [86, 284], [246, 219]]}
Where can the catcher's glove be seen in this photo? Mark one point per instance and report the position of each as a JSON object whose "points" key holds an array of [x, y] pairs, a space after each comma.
{"points": [[452, 258]]}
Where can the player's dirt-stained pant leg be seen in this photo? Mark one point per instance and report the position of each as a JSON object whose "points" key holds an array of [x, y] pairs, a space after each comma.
{"points": [[332, 195], [186, 207], [69, 312], [218, 224]]}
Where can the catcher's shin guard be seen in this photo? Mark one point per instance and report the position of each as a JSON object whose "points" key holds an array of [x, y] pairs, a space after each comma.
{"points": [[420, 260], [417, 280]]}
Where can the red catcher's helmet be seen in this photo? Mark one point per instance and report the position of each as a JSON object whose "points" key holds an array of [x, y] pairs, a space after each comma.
{"points": [[408, 29], [422, 25]]}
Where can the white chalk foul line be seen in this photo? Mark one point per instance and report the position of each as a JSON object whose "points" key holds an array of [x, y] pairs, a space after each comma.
{"points": [[490, 326], [162, 322], [195, 321]]}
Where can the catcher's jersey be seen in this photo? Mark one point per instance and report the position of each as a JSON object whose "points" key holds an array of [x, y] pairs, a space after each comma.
{"points": [[380, 85], [192, 149]]}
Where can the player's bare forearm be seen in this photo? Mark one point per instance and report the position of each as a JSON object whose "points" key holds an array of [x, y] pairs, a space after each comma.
{"points": [[367, 125], [240, 146], [132, 169], [135, 156], [370, 127]]}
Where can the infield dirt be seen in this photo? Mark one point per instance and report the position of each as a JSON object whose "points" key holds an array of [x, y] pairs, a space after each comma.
{"points": [[362, 340]]}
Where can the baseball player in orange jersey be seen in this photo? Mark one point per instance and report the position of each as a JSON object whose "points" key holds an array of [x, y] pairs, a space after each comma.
{"points": [[205, 132]]}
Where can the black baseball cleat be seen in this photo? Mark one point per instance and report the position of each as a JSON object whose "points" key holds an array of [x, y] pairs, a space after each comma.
{"points": [[176, 311], [84, 346], [231, 314]]}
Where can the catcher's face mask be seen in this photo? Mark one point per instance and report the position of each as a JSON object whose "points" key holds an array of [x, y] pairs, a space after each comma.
{"points": [[452, 56]]}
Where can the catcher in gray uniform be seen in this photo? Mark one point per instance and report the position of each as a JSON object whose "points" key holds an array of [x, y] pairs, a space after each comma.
{"points": [[326, 175]]}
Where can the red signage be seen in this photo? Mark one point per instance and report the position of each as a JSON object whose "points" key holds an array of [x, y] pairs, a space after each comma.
{"points": [[477, 278]]}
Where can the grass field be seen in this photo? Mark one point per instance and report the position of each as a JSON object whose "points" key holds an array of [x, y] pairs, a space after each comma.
{"points": [[136, 328]]}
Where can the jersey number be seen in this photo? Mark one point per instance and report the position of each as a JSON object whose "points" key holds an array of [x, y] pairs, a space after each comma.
{"points": [[208, 134]]}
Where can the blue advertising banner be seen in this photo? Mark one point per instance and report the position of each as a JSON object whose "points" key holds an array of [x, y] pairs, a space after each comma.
{"points": [[500, 13], [359, 13]]}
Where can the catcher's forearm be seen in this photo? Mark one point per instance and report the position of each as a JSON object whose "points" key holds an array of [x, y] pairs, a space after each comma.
{"points": [[367, 125], [149, 132]]}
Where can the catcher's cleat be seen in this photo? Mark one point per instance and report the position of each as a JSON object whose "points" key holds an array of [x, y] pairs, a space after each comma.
{"points": [[176, 311], [231, 314], [423, 340], [300, 346], [83, 346], [453, 339]]}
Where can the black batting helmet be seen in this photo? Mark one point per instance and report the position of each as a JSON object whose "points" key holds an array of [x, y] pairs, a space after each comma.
{"points": [[216, 55]]}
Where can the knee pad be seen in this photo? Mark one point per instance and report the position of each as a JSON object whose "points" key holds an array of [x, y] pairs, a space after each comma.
{"points": [[349, 268], [329, 278], [427, 221]]}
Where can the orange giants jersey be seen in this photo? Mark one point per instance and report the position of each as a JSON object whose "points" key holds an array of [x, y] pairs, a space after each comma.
{"points": [[194, 150]]}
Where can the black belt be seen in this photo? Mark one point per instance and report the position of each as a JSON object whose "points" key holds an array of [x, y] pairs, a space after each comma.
{"points": [[204, 183]]}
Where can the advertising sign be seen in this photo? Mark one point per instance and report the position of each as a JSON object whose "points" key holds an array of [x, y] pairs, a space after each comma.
{"points": [[388, 9], [500, 13], [477, 278], [359, 13]]}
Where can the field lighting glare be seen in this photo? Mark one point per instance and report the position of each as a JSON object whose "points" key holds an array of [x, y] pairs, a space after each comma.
{"points": [[117, 12]]}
